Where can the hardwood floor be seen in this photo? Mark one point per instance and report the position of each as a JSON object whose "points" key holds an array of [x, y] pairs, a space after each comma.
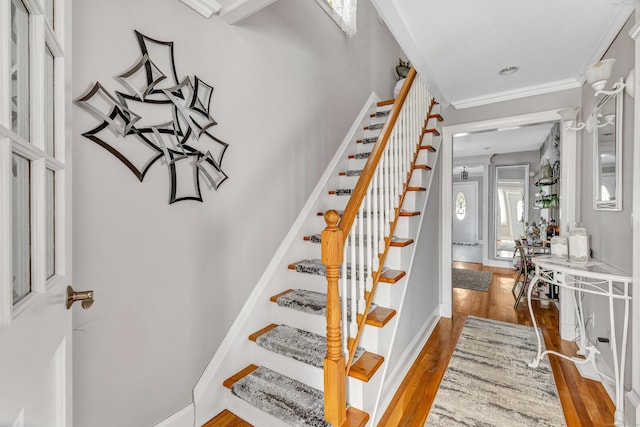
{"points": [[585, 402]]}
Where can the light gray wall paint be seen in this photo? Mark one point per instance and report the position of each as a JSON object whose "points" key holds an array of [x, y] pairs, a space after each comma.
{"points": [[422, 296], [169, 280], [610, 231]]}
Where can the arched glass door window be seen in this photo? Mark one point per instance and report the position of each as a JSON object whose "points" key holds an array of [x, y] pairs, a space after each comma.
{"points": [[461, 206]]}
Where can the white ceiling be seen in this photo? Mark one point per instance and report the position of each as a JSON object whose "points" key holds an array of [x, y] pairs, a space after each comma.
{"points": [[460, 45]]}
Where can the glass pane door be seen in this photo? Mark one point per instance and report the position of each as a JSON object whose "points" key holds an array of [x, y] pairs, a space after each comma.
{"points": [[21, 216]]}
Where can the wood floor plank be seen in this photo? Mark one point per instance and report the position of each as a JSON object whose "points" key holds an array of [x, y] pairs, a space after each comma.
{"points": [[585, 402]]}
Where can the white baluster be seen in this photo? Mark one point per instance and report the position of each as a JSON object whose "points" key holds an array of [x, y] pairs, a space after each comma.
{"points": [[370, 239], [362, 279], [376, 218], [353, 293], [345, 293]]}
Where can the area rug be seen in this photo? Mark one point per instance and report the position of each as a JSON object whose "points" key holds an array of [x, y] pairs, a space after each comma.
{"points": [[471, 279], [488, 381]]}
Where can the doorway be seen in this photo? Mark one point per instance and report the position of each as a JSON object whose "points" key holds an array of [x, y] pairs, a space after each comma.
{"points": [[567, 206]]}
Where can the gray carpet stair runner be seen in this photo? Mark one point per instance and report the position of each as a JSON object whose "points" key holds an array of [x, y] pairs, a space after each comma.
{"points": [[315, 266], [285, 398], [290, 400], [311, 302], [300, 345]]}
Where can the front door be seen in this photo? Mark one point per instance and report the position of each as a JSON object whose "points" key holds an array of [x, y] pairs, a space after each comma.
{"points": [[35, 212], [465, 212]]}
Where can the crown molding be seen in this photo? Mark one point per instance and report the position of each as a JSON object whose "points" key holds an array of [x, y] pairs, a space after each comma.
{"points": [[205, 8], [518, 93]]}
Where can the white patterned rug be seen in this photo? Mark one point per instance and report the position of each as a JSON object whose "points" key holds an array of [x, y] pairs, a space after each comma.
{"points": [[488, 381]]}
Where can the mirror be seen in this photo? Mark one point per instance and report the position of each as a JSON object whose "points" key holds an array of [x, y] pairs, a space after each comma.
{"points": [[607, 142], [510, 207]]}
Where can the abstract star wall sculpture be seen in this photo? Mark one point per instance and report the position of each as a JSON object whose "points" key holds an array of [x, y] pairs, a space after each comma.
{"points": [[159, 118]]}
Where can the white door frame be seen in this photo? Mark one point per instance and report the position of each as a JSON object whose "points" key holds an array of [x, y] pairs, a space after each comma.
{"points": [[568, 204]]}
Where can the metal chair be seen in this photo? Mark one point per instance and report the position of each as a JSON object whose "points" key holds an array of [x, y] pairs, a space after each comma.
{"points": [[524, 273]]}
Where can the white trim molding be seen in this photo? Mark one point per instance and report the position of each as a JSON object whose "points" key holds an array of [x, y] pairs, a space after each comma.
{"points": [[632, 404], [205, 8], [241, 9], [446, 202], [517, 93], [183, 418]]}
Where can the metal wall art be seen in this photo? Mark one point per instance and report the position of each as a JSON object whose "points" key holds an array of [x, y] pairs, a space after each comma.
{"points": [[159, 117]]}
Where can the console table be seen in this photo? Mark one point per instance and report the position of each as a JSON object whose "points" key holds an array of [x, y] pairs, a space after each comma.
{"points": [[595, 278]]}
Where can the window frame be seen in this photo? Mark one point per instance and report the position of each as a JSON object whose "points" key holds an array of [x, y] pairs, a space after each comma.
{"points": [[43, 36]]}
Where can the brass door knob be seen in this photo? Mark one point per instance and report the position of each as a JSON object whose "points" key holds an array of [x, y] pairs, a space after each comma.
{"points": [[85, 296]]}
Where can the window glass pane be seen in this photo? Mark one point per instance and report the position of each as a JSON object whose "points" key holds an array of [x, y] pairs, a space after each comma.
{"points": [[21, 196], [49, 114], [51, 223], [461, 206], [19, 69]]}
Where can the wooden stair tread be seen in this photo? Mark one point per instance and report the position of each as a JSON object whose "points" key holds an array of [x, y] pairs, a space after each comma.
{"points": [[366, 366], [355, 418], [431, 130], [398, 242], [392, 276], [409, 213], [438, 117], [425, 167], [386, 102], [416, 189], [254, 336], [238, 376], [227, 418], [380, 316], [428, 148], [281, 294]]}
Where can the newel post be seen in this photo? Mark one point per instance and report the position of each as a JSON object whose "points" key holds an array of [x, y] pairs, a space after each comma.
{"points": [[335, 399]]}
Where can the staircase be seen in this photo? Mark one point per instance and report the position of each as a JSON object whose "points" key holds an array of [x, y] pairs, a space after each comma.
{"points": [[275, 367]]}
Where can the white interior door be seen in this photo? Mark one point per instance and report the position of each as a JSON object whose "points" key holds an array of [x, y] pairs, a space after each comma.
{"points": [[35, 261], [465, 211]]}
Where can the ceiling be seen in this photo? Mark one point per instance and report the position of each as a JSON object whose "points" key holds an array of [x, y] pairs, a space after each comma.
{"points": [[459, 46]]}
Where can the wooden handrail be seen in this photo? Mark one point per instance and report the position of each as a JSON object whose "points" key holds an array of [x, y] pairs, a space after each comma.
{"points": [[333, 242], [357, 196]]}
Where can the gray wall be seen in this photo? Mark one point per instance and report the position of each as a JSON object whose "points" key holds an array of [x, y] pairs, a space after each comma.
{"points": [[610, 231], [423, 290], [170, 280]]}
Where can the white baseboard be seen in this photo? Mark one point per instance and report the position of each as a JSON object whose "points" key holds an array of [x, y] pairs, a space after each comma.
{"points": [[632, 408], [445, 310], [183, 418]]}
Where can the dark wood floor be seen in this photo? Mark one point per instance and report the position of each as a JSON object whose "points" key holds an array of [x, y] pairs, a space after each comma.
{"points": [[585, 402]]}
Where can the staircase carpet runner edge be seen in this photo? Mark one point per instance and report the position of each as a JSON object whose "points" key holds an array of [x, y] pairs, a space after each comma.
{"points": [[287, 399], [303, 346]]}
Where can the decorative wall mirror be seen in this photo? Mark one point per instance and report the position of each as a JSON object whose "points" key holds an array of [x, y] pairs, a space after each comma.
{"points": [[510, 199], [607, 146]]}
